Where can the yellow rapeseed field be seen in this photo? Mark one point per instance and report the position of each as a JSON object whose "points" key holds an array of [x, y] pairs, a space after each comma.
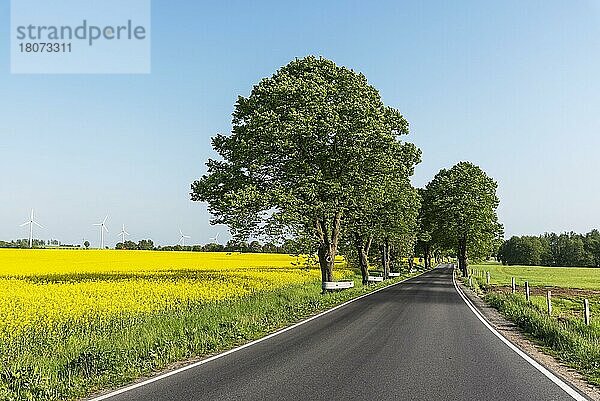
{"points": [[53, 289]]}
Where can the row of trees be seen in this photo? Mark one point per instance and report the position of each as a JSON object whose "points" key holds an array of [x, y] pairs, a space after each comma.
{"points": [[22, 243], [315, 156], [36, 243], [143, 245], [550, 249], [287, 247]]}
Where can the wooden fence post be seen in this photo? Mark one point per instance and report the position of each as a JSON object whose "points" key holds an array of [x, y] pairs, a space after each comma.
{"points": [[586, 311], [549, 300], [487, 277], [514, 285], [527, 290]]}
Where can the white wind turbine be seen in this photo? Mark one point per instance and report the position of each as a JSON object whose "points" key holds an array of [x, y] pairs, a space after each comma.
{"points": [[215, 238], [123, 233], [31, 222], [102, 228], [182, 238]]}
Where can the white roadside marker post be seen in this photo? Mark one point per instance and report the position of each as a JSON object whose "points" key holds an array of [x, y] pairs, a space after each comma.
{"points": [[470, 281], [514, 285], [586, 311], [549, 300], [527, 290]]}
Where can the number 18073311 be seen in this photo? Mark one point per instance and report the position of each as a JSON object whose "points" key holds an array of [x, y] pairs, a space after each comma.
{"points": [[45, 47]]}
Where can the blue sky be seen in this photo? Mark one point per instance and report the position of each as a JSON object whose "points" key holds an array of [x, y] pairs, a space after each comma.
{"points": [[512, 86]]}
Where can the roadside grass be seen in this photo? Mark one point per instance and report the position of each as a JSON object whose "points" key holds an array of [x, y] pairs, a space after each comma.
{"points": [[78, 363], [568, 339], [564, 334]]}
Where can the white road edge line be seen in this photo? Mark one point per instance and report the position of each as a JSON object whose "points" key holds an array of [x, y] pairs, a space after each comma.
{"points": [[555, 379], [241, 347]]}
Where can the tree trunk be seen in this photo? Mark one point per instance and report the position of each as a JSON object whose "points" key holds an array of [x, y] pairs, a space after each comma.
{"points": [[385, 258], [328, 244], [325, 262], [392, 259], [411, 263], [462, 256], [388, 262], [362, 249], [427, 256], [382, 255]]}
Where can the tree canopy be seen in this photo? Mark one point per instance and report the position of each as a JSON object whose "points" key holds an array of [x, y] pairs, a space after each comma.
{"points": [[305, 152], [463, 202], [567, 249]]}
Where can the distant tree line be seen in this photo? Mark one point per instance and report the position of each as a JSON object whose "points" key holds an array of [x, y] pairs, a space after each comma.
{"points": [[288, 246], [36, 243], [567, 249], [22, 243], [143, 245]]}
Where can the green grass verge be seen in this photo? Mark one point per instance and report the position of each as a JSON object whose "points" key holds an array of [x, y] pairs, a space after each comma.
{"points": [[43, 367], [569, 340], [563, 335]]}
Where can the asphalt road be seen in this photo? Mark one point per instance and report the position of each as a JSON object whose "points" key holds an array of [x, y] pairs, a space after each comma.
{"points": [[414, 341]]}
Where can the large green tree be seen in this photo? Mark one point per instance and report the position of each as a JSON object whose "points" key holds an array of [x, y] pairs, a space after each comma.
{"points": [[424, 245], [464, 203], [302, 145]]}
